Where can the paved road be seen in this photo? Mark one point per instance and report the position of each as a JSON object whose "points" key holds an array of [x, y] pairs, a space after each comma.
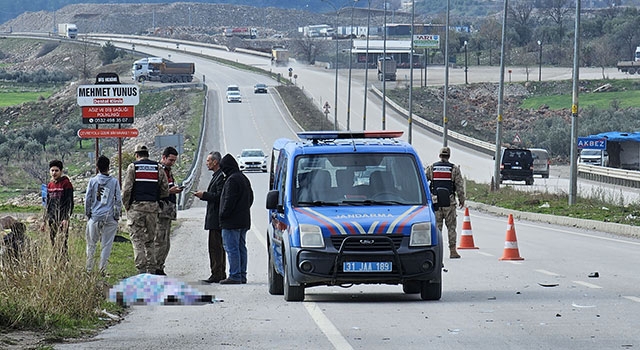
{"points": [[546, 301]]}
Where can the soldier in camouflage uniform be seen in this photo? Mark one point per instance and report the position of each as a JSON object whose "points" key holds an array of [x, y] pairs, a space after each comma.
{"points": [[444, 174], [168, 211], [144, 184]]}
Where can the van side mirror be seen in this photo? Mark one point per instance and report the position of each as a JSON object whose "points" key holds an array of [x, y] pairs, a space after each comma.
{"points": [[442, 197], [272, 200]]}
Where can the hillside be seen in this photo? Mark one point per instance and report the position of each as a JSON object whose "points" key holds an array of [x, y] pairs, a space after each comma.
{"points": [[46, 129]]}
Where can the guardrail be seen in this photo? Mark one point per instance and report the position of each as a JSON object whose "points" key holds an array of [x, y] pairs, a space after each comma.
{"points": [[621, 177], [194, 172], [127, 38], [481, 146]]}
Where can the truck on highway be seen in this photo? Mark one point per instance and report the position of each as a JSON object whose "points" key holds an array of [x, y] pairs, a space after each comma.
{"points": [[387, 68], [242, 32], [68, 30], [631, 67], [279, 56], [160, 69]]}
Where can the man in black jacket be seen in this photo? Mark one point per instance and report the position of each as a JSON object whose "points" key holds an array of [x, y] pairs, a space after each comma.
{"points": [[217, 258], [235, 219]]}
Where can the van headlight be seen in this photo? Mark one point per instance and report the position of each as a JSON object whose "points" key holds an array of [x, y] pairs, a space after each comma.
{"points": [[311, 236], [420, 235]]}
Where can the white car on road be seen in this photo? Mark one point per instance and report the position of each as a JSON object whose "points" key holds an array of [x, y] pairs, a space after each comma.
{"points": [[252, 159]]}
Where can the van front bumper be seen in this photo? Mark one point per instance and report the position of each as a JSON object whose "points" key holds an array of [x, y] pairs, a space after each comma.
{"points": [[326, 266]]}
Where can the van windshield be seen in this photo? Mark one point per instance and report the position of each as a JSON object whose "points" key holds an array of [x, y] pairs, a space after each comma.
{"points": [[357, 179]]}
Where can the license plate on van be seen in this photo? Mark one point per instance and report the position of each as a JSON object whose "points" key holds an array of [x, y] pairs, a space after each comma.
{"points": [[360, 266]]}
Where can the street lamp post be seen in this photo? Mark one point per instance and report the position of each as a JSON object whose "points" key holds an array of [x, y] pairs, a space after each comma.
{"points": [[410, 119], [366, 70], [539, 60], [466, 67], [384, 69], [335, 90], [350, 64]]}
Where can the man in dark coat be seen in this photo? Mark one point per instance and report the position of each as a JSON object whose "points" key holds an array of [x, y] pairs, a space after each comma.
{"points": [[235, 218], [217, 257]]}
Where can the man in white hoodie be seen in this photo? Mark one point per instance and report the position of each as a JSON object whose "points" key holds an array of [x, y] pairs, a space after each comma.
{"points": [[103, 206]]}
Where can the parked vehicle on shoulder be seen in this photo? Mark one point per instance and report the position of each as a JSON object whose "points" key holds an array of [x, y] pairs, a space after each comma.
{"points": [[594, 157], [349, 208], [540, 162], [517, 165]]}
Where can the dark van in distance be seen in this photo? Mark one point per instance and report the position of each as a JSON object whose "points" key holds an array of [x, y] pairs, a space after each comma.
{"points": [[517, 165]]}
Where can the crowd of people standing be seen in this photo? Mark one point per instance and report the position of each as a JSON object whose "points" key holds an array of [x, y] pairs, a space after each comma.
{"points": [[149, 196]]}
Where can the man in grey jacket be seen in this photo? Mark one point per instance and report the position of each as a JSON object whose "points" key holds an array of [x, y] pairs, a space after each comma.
{"points": [[217, 257], [103, 206]]}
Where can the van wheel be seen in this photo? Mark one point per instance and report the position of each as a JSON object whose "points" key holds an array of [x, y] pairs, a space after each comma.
{"points": [[141, 79], [430, 291], [276, 285], [529, 182], [545, 176], [291, 293], [411, 287]]}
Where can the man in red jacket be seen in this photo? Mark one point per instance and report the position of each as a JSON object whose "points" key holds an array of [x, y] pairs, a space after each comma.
{"points": [[59, 205]]}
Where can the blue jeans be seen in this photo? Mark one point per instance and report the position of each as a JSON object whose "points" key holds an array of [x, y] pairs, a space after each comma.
{"points": [[235, 244]]}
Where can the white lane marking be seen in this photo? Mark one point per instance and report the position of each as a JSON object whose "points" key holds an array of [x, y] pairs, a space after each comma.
{"points": [[549, 273], [587, 284], [329, 330], [632, 298], [287, 115], [222, 134], [260, 237], [485, 254]]}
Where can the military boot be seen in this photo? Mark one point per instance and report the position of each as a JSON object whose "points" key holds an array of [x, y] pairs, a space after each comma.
{"points": [[453, 253]]}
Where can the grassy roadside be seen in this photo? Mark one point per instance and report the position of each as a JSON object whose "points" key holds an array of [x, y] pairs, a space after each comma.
{"points": [[598, 206], [45, 299]]}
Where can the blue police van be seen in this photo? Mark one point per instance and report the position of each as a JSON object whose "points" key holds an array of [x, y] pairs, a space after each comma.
{"points": [[351, 208]]}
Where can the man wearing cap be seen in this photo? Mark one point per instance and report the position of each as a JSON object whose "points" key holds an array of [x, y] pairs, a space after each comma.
{"points": [[144, 184], [443, 174]]}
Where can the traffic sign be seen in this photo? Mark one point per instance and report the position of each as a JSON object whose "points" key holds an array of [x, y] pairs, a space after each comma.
{"points": [[592, 143], [326, 107], [516, 139], [108, 95], [106, 133], [426, 41]]}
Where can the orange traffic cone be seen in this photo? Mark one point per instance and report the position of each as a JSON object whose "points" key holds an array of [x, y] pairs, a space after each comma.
{"points": [[511, 243], [466, 237]]}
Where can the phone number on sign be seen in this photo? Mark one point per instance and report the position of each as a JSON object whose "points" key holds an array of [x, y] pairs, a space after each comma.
{"points": [[106, 120]]}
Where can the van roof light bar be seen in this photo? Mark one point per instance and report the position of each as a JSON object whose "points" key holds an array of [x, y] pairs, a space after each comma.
{"points": [[342, 135]]}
